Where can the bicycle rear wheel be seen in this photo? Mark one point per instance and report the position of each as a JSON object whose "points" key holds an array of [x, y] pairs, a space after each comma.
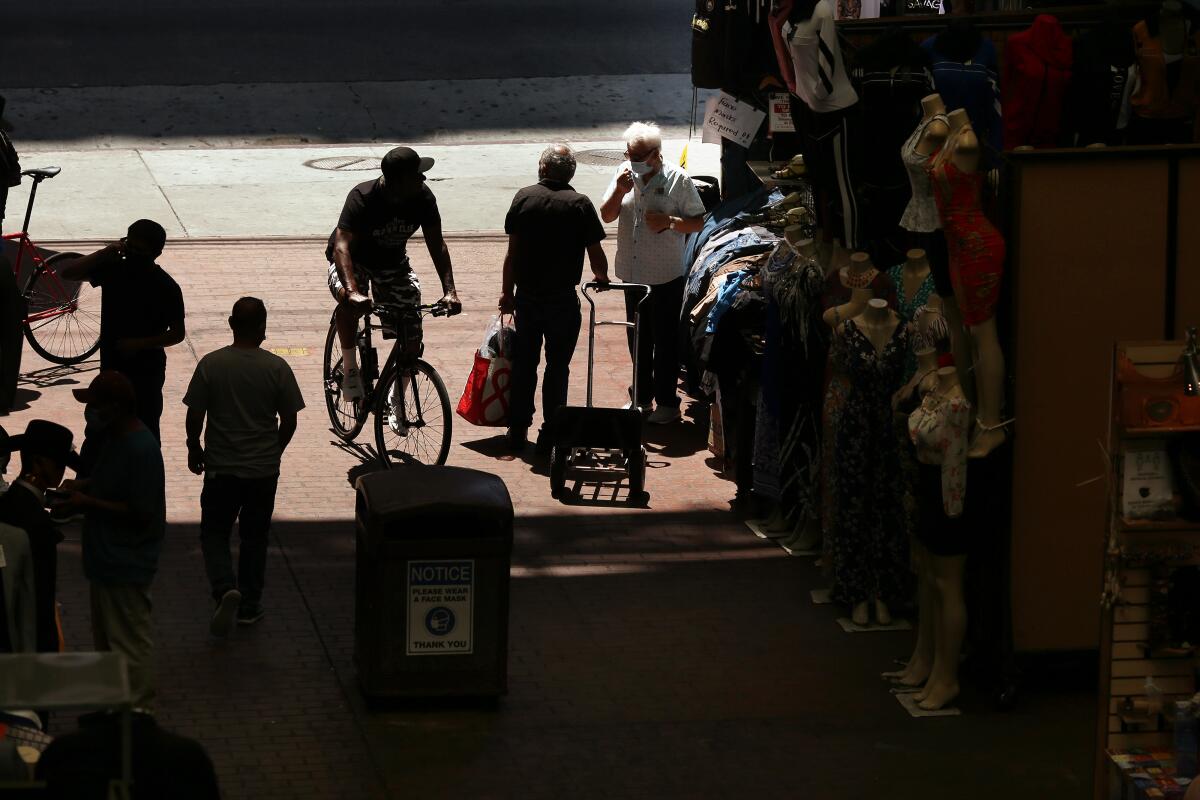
{"points": [[346, 417], [412, 417], [62, 320]]}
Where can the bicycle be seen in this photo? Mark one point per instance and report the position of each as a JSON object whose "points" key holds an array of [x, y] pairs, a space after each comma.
{"points": [[62, 318], [413, 418]]}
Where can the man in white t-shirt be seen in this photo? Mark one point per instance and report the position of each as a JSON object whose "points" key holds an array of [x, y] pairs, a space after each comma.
{"points": [[656, 205], [251, 400]]}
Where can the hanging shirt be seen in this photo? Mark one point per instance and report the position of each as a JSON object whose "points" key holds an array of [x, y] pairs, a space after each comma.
{"points": [[644, 256], [1168, 87], [821, 79]]}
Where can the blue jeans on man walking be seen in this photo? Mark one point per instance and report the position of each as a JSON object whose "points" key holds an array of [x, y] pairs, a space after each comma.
{"points": [[555, 320]]}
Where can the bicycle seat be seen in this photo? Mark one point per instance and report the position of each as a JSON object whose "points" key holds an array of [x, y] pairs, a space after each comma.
{"points": [[41, 173]]}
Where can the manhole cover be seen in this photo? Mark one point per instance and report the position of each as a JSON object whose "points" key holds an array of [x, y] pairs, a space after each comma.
{"points": [[345, 163], [600, 158]]}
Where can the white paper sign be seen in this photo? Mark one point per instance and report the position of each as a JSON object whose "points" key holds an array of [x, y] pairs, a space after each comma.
{"points": [[440, 605], [726, 117], [781, 113], [1147, 491]]}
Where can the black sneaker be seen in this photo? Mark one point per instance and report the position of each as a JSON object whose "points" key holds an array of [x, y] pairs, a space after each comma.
{"points": [[516, 439], [249, 616], [222, 618]]}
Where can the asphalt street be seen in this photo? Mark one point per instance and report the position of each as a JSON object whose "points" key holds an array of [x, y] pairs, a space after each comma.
{"points": [[186, 42]]}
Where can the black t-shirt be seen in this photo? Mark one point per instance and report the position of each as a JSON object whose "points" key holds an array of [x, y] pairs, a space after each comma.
{"points": [[553, 225], [137, 301], [382, 227]]}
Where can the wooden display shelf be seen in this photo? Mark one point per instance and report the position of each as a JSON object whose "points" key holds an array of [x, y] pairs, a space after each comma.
{"points": [[1159, 526], [1149, 433]]}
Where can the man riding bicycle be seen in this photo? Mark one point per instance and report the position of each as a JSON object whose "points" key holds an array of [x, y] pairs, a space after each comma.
{"points": [[369, 249]]}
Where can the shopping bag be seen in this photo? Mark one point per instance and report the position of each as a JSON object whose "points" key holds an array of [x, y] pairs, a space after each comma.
{"points": [[485, 398]]}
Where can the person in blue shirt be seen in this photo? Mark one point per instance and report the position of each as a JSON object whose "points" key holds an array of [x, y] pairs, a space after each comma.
{"points": [[124, 506]]}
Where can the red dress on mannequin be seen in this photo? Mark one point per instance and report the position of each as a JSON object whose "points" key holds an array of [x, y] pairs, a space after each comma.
{"points": [[975, 247]]}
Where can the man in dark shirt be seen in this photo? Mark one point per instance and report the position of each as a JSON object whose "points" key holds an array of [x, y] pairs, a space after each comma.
{"points": [[549, 228], [45, 450], [369, 248], [141, 312]]}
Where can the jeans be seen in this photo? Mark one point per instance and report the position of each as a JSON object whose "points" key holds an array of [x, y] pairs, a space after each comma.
{"points": [[556, 320], [121, 624], [658, 342], [148, 389], [227, 498]]}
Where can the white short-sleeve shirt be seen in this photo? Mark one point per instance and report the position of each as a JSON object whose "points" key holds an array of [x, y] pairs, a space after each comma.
{"points": [[644, 256]]}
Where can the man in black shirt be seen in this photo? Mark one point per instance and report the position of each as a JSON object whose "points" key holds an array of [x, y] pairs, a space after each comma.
{"points": [[369, 248], [141, 312], [549, 228]]}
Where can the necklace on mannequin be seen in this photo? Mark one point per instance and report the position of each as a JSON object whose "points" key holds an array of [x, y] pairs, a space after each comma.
{"points": [[859, 280]]}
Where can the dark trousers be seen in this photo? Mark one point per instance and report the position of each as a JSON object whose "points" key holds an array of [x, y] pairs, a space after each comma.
{"points": [[658, 342], [148, 389], [556, 321], [11, 316], [251, 501]]}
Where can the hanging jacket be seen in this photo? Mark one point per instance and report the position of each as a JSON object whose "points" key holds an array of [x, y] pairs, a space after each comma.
{"points": [[1037, 75], [1101, 62]]}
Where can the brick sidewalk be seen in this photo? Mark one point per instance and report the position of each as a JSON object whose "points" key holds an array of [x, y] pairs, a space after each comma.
{"points": [[662, 652]]}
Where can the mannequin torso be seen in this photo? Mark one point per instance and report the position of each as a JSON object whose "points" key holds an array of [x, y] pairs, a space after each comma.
{"points": [[877, 323], [921, 213]]}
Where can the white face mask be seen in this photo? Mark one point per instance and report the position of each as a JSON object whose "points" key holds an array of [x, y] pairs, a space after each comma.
{"points": [[641, 168]]}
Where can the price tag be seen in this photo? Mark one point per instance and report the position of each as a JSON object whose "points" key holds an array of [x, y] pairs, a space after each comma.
{"points": [[780, 120]]}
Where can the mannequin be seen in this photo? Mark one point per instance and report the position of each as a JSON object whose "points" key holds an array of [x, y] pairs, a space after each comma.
{"points": [[976, 267], [1037, 75], [868, 549], [847, 291], [922, 219], [1166, 104], [914, 288], [826, 113], [939, 430]]}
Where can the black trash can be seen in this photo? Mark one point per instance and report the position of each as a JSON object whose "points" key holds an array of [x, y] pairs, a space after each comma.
{"points": [[431, 608]]}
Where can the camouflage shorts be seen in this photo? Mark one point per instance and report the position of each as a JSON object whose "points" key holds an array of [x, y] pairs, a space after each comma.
{"points": [[396, 296]]}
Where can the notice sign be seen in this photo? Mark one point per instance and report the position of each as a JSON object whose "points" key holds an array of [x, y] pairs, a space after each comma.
{"points": [[726, 117], [441, 597], [781, 113]]}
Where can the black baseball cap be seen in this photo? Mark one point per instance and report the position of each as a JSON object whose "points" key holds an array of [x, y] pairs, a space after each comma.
{"points": [[404, 161], [44, 438]]}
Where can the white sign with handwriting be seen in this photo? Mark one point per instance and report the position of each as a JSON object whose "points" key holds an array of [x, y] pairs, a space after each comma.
{"points": [[727, 117]]}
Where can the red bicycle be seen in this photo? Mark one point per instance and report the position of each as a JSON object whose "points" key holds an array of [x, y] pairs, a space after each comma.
{"points": [[62, 318]]}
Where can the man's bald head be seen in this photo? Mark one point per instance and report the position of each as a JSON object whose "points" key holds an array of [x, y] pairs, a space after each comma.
{"points": [[557, 164], [248, 320]]}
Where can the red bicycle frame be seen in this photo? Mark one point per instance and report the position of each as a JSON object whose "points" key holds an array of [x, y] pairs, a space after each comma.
{"points": [[24, 243]]}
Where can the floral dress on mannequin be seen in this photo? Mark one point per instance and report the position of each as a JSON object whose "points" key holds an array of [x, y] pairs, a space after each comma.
{"points": [[837, 293], [869, 545]]}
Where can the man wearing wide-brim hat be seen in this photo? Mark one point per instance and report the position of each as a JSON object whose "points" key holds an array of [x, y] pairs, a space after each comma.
{"points": [[46, 451]]}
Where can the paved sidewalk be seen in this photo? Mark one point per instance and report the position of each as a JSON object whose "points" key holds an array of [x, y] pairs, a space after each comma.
{"points": [[283, 191], [660, 652]]}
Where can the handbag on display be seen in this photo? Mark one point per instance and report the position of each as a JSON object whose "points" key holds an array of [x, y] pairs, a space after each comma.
{"points": [[486, 396], [1148, 402]]}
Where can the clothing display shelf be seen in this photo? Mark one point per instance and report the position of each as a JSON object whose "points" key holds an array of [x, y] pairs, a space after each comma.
{"points": [[765, 172], [1135, 551], [81, 681]]}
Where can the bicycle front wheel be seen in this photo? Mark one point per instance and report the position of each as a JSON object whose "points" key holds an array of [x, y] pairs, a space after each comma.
{"points": [[346, 417], [62, 318], [412, 417]]}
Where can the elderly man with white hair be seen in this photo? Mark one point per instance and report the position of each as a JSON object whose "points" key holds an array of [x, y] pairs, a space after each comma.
{"points": [[656, 205]]}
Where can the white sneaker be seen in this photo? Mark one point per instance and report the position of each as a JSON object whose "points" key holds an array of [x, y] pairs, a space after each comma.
{"points": [[629, 406], [663, 415], [398, 425], [352, 386]]}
